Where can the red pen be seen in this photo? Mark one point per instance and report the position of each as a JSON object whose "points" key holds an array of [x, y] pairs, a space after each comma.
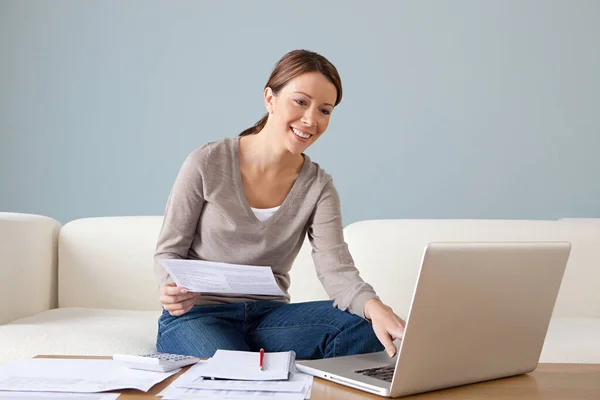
{"points": [[261, 357]]}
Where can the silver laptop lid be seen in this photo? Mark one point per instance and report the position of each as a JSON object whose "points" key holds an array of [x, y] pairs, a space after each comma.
{"points": [[480, 311]]}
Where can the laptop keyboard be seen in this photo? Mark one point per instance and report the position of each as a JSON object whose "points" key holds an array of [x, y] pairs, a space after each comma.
{"points": [[384, 373]]}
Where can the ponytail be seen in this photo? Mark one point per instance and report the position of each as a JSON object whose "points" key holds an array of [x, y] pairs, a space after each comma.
{"points": [[257, 126]]}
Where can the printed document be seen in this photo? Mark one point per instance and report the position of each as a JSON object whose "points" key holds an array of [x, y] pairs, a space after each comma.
{"points": [[215, 277], [194, 394], [244, 365], [75, 375], [192, 385], [57, 396]]}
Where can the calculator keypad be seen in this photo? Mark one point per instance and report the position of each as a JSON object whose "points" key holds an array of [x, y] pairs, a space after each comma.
{"points": [[167, 357]]}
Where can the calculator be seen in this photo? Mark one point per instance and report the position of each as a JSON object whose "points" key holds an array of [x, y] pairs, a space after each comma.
{"points": [[161, 362]]}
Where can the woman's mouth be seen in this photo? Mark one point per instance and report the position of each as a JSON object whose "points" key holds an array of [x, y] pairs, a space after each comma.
{"points": [[300, 135]]}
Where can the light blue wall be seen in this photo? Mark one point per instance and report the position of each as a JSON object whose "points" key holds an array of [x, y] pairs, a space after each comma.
{"points": [[452, 109]]}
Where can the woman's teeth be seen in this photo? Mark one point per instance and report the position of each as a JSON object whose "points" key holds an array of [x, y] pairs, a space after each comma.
{"points": [[300, 134]]}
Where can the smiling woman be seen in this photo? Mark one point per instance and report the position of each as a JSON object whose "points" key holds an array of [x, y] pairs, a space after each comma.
{"points": [[252, 200], [292, 67]]}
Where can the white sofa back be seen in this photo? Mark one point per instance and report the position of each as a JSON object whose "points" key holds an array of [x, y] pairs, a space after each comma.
{"points": [[396, 247], [108, 262], [27, 265]]}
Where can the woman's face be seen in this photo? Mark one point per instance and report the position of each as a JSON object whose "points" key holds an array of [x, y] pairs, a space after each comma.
{"points": [[300, 112]]}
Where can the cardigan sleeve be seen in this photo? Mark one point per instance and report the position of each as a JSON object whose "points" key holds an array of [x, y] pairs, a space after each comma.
{"points": [[182, 214], [333, 261]]}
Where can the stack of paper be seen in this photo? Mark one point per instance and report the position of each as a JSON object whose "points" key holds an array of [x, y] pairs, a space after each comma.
{"points": [[238, 377], [244, 365]]}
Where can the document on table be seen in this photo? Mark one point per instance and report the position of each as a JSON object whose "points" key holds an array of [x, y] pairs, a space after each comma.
{"points": [[191, 384], [243, 365], [215, 277], [294, 384], [75, 375], [58, 396], [195, 394]]}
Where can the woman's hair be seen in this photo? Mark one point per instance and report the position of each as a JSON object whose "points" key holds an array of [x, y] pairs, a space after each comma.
{"points": [[291, 65]]}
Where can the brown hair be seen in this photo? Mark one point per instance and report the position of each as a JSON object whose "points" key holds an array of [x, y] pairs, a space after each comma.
{"points": [[291, 65]]}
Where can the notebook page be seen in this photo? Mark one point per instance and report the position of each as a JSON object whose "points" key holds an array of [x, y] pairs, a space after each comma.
{"points": [[244, 365]]}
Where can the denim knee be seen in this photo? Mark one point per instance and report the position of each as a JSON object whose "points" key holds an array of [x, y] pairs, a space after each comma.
{"points": [[358, 338], [370, 343], [198, 334]]}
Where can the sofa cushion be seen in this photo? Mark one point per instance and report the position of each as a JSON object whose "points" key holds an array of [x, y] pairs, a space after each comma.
{"points": [[79, 331]]}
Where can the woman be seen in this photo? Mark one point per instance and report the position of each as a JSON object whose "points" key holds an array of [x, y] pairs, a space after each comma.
{"points": [[251, 200]]}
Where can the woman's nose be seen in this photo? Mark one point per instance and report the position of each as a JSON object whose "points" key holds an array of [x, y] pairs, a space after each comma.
{"points": [[308, 118]]}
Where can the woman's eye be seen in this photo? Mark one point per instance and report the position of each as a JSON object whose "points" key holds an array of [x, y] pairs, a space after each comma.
{"points": [[326, 112], [300, 102]]}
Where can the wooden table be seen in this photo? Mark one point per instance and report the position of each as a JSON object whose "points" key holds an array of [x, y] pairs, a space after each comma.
{"points": [[548, 381]]}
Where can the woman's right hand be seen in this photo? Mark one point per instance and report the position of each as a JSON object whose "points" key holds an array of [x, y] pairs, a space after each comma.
{"points": [[177, 300]]}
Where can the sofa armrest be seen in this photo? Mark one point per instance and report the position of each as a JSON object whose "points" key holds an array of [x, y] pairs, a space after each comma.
{"points": [[28, 265]]}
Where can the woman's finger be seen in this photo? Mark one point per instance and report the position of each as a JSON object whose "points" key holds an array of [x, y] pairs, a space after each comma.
{"points": [[178, 305], [176, 313], [188, 304], [176, 309], [181, 311], [163, 289], [188, 296], [385, 340], [166, 299], [172, 290], [396, 331]]}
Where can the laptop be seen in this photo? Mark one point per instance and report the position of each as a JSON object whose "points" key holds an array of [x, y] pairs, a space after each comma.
{"points": [[479, 311]]}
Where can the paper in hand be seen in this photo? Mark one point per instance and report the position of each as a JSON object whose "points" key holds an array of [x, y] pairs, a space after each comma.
{"points": [[215, 277]]}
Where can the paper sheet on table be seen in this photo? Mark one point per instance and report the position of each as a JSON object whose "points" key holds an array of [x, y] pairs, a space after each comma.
{"points": [[215, 277], [195, 394], [75, 375], [50, 396], [177, 389], [296, 383], [243, 365]]}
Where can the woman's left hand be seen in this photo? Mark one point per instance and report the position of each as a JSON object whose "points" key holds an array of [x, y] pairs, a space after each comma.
{"points": [[386, 325]]}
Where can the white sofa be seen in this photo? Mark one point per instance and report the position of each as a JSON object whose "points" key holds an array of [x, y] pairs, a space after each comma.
{"points": [[88, 288]]}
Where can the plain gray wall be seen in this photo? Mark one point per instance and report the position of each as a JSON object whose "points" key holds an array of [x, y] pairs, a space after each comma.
{"points": [[451, 109]]}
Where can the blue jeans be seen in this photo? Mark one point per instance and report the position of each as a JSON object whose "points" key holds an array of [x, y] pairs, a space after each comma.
{"points": [[313, 330]]}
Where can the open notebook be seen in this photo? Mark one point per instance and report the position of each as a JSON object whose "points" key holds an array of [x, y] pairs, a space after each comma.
{"points": [[244, 365]]}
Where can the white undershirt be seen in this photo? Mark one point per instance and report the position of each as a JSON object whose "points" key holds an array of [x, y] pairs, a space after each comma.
{"points": [[264, 214]]}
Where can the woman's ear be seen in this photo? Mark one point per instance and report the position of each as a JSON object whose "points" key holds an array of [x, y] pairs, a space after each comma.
{"points": [[269, 100]]}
